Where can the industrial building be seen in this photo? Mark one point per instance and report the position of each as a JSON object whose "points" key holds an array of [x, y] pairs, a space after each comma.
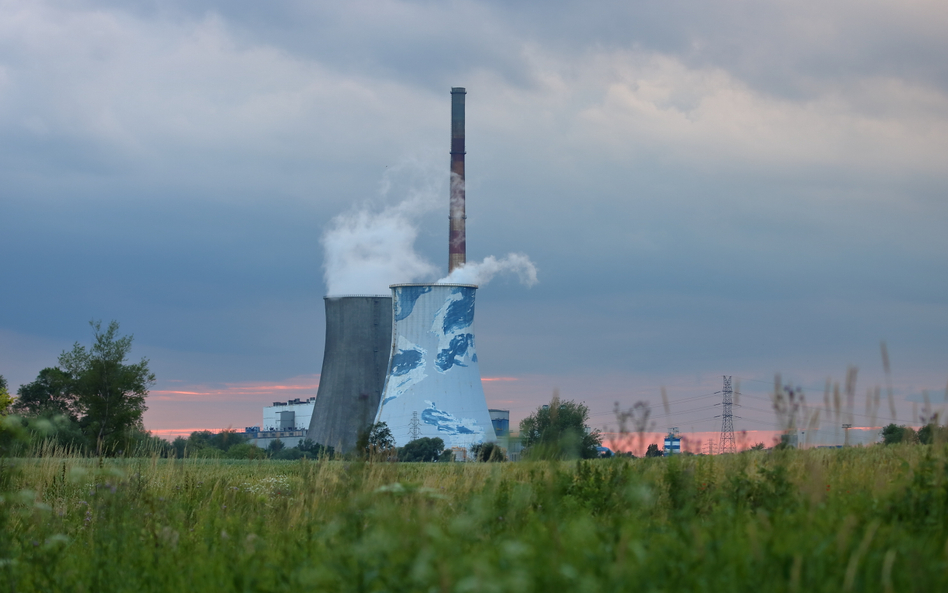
{"points": [[672, 443], [501, 421], [287, 421], [433, 387]]}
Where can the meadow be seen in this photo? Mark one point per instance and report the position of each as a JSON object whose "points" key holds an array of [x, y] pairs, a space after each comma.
{"points": [[854, 519]]}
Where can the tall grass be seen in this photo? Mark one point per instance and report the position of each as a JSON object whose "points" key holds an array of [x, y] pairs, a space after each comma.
{"points": [[855, 519]]}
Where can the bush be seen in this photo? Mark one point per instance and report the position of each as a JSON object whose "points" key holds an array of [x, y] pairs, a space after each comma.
{"points": [[559, 431], [488, 452], [423, 449], [245, 451]]}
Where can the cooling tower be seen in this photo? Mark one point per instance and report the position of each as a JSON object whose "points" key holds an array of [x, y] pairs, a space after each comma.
{"points": [[358, 342], [433, 387]]}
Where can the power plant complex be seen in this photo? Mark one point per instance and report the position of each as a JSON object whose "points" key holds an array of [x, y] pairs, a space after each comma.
{"points": [[408, 359]]}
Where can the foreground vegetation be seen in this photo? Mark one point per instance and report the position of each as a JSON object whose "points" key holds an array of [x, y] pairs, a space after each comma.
{"points": [[855, 519]]}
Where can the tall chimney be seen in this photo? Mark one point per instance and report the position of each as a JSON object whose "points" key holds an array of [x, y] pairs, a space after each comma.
{"points": [[457, 240]]}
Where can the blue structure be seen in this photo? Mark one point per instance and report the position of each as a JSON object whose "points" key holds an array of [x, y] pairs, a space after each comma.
{"points": [[433, 384], [501, 421]]}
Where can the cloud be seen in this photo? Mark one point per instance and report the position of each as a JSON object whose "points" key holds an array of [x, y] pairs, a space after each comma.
{"points": [[178, 100], [634, 104], [296, 387]]}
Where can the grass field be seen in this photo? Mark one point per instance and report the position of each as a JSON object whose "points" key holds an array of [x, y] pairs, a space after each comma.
{"points": [[855, 519]]}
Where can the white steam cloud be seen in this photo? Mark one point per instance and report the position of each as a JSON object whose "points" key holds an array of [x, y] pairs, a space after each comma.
{"points": [[370, 248], [482, 273], [367, 250], [365, 253]]}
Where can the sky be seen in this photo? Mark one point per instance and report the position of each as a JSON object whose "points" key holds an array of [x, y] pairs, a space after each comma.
{"points": [[709, 188]]}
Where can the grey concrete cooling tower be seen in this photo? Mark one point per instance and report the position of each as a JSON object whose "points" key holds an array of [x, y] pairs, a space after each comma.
{"points": [[355, 360]]}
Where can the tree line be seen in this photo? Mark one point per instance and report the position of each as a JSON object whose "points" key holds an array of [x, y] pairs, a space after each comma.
{"points": [[93, 401], [230, 444], [929, 434]]}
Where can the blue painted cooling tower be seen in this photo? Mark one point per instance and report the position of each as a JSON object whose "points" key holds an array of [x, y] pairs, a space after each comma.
{"points": [[433, 386]]}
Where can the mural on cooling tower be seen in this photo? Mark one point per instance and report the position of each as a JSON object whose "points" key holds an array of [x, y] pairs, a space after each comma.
{"points": [[433, 386]]}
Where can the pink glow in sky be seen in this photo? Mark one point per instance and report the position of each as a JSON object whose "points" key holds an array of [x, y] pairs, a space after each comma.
{"points": [[178, 408]]}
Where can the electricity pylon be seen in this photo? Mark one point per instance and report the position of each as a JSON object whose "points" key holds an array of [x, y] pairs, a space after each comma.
{"points": [[727, 423], [414, 430]]}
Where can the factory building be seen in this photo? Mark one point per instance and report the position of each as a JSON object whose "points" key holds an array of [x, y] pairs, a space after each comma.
{"points": [[287, 421], [358, 344], [433, 385]]}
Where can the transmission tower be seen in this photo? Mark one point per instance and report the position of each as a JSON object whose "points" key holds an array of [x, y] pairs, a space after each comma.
{"points": [[414, 427], [727, 424]]}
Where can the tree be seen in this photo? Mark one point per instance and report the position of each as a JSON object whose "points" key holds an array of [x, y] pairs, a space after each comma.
{"points": [[198, 441], [275, 447], [375, 440], [49, 395], [559, 431], [205, 443], [180, 445], [5, 399], [110, 394], [653, 451], [245, 451], [893, 434], [488, 451], [288, 454], [423, 449], [227, 438], [314, 450], [932, 433]]}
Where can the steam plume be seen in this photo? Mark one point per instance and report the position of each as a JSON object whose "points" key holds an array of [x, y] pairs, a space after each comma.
{"points": [[372, 247], [482, 273], [367, 249]]}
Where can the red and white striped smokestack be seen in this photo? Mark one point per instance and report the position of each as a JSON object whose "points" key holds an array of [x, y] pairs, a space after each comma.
{"points": [[457, 240]]}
